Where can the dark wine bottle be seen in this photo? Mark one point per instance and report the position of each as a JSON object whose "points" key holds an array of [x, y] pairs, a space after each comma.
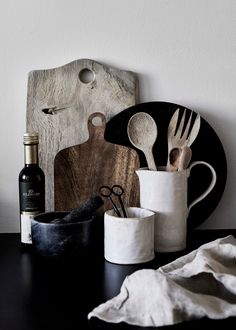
{"points": [[31, 188]]}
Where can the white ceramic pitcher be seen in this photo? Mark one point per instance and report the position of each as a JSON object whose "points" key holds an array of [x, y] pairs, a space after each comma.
{"points": [[165, 193]]}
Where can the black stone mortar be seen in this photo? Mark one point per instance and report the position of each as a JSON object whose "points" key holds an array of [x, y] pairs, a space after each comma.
{"points": [[61, 239]]}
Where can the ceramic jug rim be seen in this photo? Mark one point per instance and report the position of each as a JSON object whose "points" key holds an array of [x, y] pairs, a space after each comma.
{"points": [[159, 168]]}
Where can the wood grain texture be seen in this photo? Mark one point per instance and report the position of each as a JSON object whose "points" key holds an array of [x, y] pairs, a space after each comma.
{"points": [[80, 170], [111, 91]]}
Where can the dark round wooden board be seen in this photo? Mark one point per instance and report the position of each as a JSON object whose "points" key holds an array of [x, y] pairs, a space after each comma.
{"points": [[206, 147]]}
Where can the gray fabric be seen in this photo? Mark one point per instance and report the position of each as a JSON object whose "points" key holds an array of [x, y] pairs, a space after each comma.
{"points": [[201, 283]]}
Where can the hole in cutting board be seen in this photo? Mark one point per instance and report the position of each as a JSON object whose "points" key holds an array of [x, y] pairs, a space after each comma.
{"points": [[97, 121], [86, 76]]}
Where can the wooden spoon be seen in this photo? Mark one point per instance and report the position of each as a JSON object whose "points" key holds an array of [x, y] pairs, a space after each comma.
{"points": [[142, 133], [185, 158], [174, 159], [179, 158]]}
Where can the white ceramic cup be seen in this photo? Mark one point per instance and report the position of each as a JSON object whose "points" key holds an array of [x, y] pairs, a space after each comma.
{"points": [[129, 240], [166, 193]]}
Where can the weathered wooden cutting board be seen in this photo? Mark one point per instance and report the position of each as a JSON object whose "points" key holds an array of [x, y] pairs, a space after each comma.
{"points": [[80, 170], [82, 87]]}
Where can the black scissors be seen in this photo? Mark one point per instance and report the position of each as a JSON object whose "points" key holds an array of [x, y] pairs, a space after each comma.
{"points": [[106, 191]]}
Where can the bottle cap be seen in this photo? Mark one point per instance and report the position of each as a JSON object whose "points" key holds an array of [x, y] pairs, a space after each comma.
{"points": [[31, 138]]}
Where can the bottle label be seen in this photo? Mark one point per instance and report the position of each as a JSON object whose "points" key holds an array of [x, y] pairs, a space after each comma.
{"points": [[31, 197], [26, 228]]}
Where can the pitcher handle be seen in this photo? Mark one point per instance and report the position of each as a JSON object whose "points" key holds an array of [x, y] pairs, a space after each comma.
{"points": [[211, 186]]}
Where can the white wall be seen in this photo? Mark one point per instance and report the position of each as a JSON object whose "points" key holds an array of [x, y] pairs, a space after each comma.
{"points": [[184, 51]]}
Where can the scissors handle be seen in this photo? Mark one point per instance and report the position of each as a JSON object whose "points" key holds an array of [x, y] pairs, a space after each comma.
{"points": [[122, 207], [115, 207], [119, 191], [106, 191]]}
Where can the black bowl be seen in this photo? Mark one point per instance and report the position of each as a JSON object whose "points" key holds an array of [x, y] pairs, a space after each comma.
{"points": [[61, 240]]}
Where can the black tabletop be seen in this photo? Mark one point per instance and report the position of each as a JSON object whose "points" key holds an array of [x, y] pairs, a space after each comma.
{"points": [[41, 294]]}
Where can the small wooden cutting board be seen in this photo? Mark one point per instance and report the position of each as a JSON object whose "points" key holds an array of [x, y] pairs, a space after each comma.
{"points": [[80, 170]]}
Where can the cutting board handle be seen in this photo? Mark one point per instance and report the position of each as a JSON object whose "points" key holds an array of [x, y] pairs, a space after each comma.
{"points": [[94, 130]]}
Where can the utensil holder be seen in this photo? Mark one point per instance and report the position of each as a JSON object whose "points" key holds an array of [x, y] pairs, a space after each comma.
{"points": [[129, 240], [166, 193]]}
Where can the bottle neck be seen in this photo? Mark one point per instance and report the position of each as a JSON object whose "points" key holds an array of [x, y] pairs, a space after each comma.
{"points": [[31, 154]]}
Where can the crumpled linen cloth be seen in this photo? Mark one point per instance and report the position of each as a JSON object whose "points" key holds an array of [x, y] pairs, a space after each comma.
{"points": [[201, 283]]}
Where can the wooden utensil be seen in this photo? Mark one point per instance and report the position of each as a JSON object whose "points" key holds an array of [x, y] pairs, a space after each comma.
{"points": [[174, 159], [80, 170], [61, 99], [142, 132], [180, 135], [185, 158], [179, 158]]}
